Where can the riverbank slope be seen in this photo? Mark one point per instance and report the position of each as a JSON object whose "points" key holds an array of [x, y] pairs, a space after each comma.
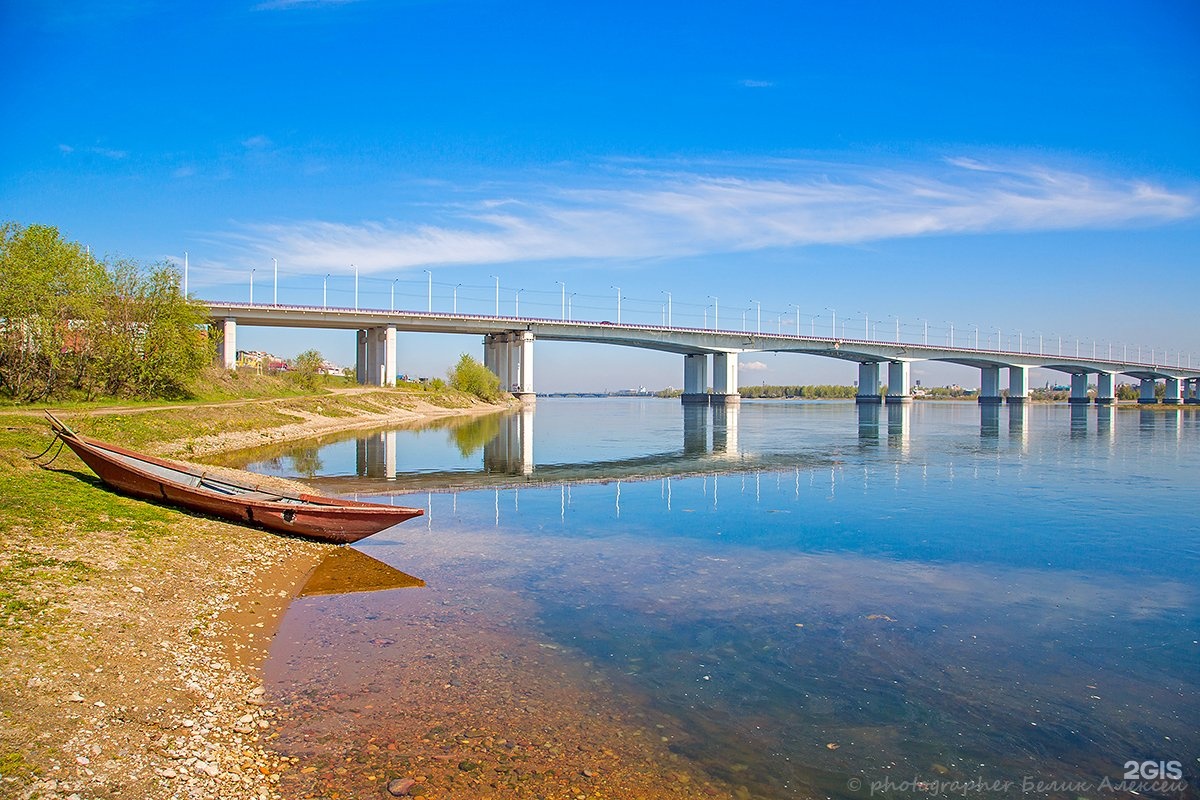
{"points": [[130, 633]]}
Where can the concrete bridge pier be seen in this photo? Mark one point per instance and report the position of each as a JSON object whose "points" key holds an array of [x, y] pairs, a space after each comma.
{"points": [[725, 379], [1079, 387], [509, 356], [1106, 394], [361, 355], [226, 330], [1192, 397], [695, 379], [868, 384], [989, 386], [1146, 392], [1018, 384], [1173, 396], [899, 390]]}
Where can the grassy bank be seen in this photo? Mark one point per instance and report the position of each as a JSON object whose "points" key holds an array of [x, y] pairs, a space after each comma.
{"points": [[116, 678]]}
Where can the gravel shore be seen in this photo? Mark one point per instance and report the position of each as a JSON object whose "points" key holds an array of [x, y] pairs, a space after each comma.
{"points": [[132, 634]]}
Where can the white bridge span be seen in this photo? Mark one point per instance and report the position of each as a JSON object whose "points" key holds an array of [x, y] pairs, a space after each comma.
{"points": [[509, 344]]}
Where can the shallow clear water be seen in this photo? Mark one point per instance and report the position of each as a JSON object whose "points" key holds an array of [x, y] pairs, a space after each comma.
{"points": [[823, 596]]}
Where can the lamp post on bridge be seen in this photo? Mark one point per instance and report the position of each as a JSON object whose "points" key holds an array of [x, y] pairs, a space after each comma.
{"points": [[355, 287], [570, 299], [951, 324], [668, 294], [866, 325], [429, 294], [455, 295], [834, 325], [497, 293], [392, 301], [793, 305], [517, 303], [744, 311], [275, 293], [252, 286], [925, 335], [325, 291], [759, 323], [716, 310], [897, 318], [563, 313], [618, 288]]}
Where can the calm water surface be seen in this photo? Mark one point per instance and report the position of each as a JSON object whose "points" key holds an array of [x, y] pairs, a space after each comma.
{"points": [[825, 596]]}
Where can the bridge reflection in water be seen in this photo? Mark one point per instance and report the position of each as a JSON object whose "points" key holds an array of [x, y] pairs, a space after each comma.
{"points": [[710, 443]]}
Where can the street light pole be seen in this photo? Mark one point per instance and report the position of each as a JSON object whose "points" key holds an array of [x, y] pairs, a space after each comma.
{"points": [[866, 325], [716, 310], [429, 296], [793, 305], [758, 324], [252, 286], [517, 303], [668, 294], [497, 294], [355, 287], [618, 288], [456, 298], [275, 297], [392, 304], [563, 313], [325, 291], [834, 312]]}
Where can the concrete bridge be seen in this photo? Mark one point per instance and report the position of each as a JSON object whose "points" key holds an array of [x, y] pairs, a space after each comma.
{"points": [[509, 350]]}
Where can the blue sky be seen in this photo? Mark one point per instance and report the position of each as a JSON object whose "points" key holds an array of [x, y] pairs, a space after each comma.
{"points": [[1019, 167]]}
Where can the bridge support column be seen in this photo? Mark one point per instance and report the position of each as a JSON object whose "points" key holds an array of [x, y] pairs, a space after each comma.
{"points": [[1018, 384], [1146, 392], [695, 379], [989, 386], [227, 352], [1079, 384], [1106, 393], [1193, 394], [522, 347], [868, 384], [375, 356], [491, 355], [725, 379], [1173, 396], [389, 355], [360, 358], [898, 382]]}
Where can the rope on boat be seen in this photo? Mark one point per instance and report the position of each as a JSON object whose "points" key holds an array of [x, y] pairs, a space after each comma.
{"points": [[47, 450]]}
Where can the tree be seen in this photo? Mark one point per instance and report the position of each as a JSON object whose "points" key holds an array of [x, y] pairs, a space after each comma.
{"points": [[49, 294], [469, 376], [306, 368], [71, 322]]}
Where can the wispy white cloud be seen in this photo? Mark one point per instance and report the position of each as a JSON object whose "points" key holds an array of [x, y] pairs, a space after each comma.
{"points": [[753, 366], [259, 142], [650, 211], [103, 152], [750, 83], [287, 5]]}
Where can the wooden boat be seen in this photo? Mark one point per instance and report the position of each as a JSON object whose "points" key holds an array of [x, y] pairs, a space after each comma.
{"points": [[325, 519]]}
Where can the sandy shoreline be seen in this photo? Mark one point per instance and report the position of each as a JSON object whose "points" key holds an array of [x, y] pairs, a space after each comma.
{"points": [[142, 680]]}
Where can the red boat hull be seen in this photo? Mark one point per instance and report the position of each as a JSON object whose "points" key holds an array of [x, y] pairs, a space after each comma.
{"points": [[325, 519]]}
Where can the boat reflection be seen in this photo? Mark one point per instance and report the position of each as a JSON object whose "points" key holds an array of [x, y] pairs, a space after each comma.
{"points": [[346, 570]]}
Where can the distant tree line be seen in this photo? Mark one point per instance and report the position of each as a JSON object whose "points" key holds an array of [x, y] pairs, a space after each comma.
{"points": [[821, 391], [73, 324]]}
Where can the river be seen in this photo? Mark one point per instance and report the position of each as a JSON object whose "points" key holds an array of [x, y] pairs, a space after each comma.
{"points": [[805, 599]]}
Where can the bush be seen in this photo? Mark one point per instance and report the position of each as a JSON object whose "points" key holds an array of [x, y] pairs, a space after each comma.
{"points": [[469, 376], [305, 369]]}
